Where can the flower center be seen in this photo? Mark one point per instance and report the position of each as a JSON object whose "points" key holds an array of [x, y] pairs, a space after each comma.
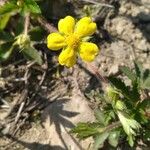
{"points": [[73, 41]]}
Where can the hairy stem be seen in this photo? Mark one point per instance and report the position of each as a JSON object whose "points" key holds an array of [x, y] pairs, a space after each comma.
{"points": [[26, 25]]}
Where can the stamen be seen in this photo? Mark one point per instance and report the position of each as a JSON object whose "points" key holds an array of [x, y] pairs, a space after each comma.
{"points": [[73, 41]]}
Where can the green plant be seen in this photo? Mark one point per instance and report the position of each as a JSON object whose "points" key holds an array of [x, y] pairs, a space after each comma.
{"points": [[19, 37], [124, 112]]}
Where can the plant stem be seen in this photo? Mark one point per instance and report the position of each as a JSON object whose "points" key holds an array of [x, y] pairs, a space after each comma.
{"points": [[113, 126], [26, 25], [95, 71], [47, 26]]}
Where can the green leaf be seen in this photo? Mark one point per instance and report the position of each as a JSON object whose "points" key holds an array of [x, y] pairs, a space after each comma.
{"points": [[109, 115], [146, 135], [20, 26], [113, 138], [138, 68], [8, 7], [99, 140], [31, 6], [100, 116], [5, 51], [130, 140], [145, 83], [129, 124], [146, 74], [120, 85], [84, 130], [32, 54], [128, 73], [6, 37], [4, 20]]}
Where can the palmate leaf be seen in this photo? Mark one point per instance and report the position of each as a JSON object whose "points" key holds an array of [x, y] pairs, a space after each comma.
{"points": [[129, 93], [129, 125], [138, 69], [135, 81], [120, 85], [128, 73]]}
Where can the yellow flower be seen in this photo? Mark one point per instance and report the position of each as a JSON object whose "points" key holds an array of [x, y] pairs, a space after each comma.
{"points": [[71, 38]]}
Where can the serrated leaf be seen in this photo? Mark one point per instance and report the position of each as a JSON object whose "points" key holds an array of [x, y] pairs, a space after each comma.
{"points": [[113, 138], [31, 6], [129, 124], [120, 85], [99, 140], [84, 130], [138, 68], [5, 51], [4, 20], [8, 7], [32, 54], [100, 116], [128, 73], [109, 115]]}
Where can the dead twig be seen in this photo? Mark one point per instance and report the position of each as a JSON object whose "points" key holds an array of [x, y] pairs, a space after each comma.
{"points": [[19, 112], [98, 3]]}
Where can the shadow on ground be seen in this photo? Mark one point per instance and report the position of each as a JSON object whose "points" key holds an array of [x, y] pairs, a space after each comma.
{"points": [[58, 116], [34, 145]]}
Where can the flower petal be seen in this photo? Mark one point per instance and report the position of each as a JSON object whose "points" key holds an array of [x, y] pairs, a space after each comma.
{"points": [[85, 27], [66, 25], [67, 57], [55, 41], [88, 51]]}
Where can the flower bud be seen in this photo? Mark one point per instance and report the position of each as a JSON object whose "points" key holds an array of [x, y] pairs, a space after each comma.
{"points": [[112, 94], [23, 41]]}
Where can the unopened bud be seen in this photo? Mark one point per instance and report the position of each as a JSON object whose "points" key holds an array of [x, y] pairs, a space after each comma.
{"points": [[111, 93], [23, 41]]}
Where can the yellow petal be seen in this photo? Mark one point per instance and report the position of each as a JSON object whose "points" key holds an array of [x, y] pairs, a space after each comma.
{"points": [[85, 27], [55, 41], [88, 51], [67, 57], [66, 25]]}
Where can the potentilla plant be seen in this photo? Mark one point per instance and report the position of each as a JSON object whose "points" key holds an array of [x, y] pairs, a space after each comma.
{"points": [[124, 113], [122, 116]]}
